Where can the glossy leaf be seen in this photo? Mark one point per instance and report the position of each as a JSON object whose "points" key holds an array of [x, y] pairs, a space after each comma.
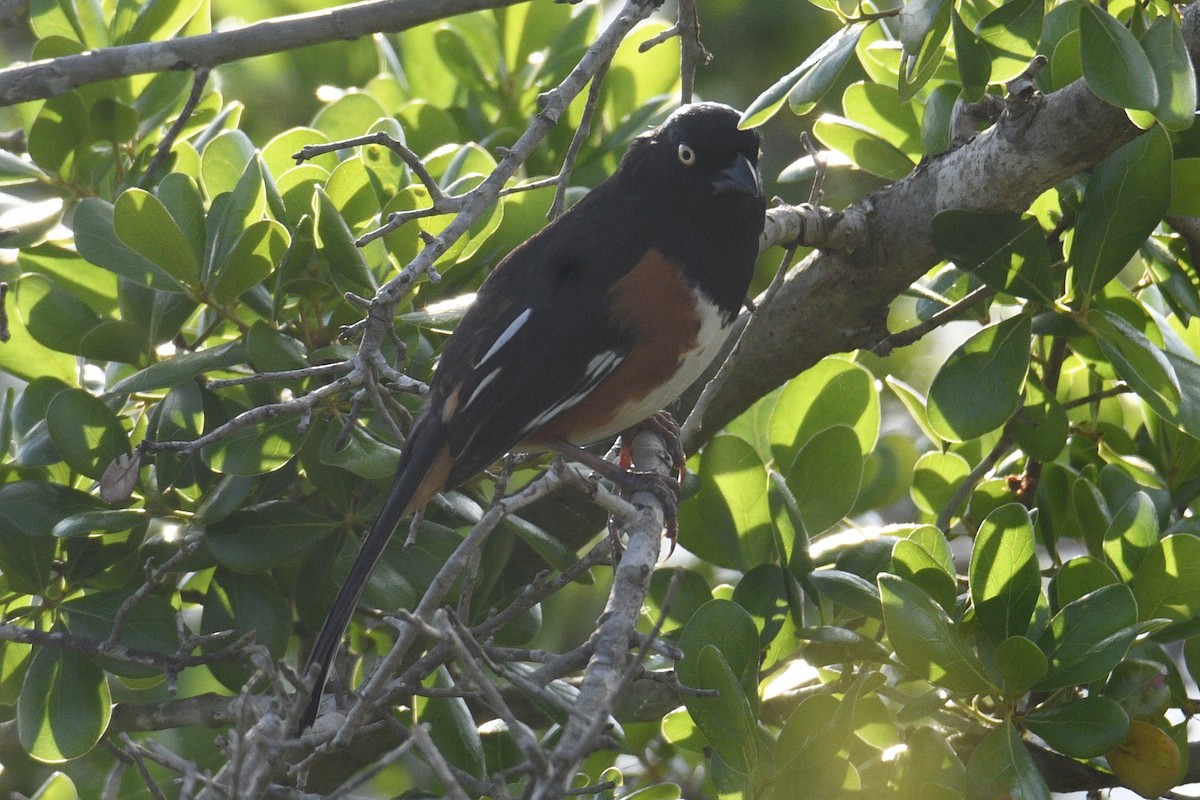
{"points": [[974, 60], [253, 257], [935, 479], [1127, 195], [1000, 768], [145, 226], [256, 449], [451, 727], [1004, 578], [1176, 80], [926, 639], [1133, 532], [825, 477], [729, 520], [1081, 728], [257, 539], [1087, 638], [728, 627], [1114, 65], [64, 706], [864, 147], [1006, 251], [85, 431], [1138, 361], [979, 386], [833, 392], [1021, 664], [1167, 582], [1147, 761]]}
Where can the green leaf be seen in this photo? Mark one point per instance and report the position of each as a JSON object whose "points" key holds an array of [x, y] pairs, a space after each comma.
{"points": [[162, 19], [974, 60], [362, 453], [1008, 252], [144, 225], [1131, 535], [849, 590], [451, 726], [917, 67], [58, 786], [935, 478], [1087, 638], [266, 536], [346, 261], [103, 521], [926, 640], [1138, 361], [241, 604], [1011, 33], [1078, 577], [915, 564], [1185, 189], [879, 108], [64, 706], [825, 477], [61, 127], [916, 20], [149, 626], [727, 720], [224, 161], [256, 449], [729, 628], [979, 386], [937, 124], [808, 83], [1167, 582], [1127, 195], [1176, 80], [1000, 768], [85, 431], [763, 593], [1114, 65], [253, 257], [863, 146], [832, 392], [1041, 427], [181, 368], [1084, 727], [1004, 578], [53, 316], [728, 522], [1021, 663], [97, 241]]}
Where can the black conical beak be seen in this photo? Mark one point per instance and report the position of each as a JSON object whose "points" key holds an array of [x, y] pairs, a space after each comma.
{"points": [[740, 177]]}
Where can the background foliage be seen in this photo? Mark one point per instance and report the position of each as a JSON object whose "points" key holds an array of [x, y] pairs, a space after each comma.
{"points": [[970, 569]]}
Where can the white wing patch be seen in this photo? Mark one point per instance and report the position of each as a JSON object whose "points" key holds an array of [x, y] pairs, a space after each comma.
{"points": [[599, 368], [482, 385], [502, 340]]}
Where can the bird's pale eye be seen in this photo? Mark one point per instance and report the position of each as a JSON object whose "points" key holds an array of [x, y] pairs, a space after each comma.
{"points": [[687, 156]]}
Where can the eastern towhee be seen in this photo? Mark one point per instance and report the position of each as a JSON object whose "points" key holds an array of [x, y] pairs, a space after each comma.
{"points": [[592, 325]]}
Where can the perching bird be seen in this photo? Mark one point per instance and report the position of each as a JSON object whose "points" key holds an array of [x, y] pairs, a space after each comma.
{"points": [[591, 326]]}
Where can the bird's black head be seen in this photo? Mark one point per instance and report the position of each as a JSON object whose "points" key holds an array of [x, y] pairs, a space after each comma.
{"points": [[699, 153]]}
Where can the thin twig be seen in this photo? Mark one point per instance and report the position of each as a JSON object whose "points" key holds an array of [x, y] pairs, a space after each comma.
{"points": [[948, 314], [153, 581], [5, 335], [581, 135], [199, 81], [964, 489], [286, 375]]}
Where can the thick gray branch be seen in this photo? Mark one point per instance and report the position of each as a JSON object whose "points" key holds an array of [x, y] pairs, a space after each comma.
{"points": [[54, 76], [837, 301]]}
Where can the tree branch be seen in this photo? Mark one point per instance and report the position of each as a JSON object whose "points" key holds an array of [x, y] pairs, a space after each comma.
{"points": [[51, 77]]}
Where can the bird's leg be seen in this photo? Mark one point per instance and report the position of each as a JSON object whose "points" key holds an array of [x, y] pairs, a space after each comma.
{"points": [[630, 481], [667, 428]]}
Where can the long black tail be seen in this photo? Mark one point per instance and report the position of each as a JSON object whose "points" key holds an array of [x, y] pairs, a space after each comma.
{"points": [[420, 453]]}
